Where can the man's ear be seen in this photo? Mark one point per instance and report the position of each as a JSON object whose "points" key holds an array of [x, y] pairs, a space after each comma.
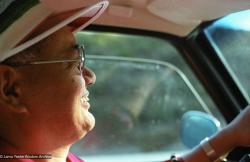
{"points": [[10, 90]]}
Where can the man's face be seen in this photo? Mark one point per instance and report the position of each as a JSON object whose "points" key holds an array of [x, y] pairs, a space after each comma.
{"points": [[55, 94]]}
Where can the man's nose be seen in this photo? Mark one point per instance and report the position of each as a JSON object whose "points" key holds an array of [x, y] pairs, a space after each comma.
{"points": [[89, 76]]}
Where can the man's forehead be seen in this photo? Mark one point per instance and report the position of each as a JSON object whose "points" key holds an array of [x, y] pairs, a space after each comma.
{"points": [[63, 35], [59, 43]]}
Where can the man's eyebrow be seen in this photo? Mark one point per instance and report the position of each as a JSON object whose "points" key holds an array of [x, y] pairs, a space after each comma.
{"points": [[73, 47], [77, 46], [76, 49]]}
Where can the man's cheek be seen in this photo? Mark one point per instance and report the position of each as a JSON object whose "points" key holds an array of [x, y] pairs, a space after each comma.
{"points": [[79, 84]]}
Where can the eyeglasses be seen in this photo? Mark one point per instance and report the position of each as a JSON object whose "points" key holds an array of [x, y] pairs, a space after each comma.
{"points": [[80, 59]]}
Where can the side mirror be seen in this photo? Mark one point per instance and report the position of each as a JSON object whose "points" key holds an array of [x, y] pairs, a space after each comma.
{"points": [[195, 126]]}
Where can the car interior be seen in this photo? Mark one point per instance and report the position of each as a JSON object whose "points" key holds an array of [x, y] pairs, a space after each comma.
{"points": [[188, 64]]}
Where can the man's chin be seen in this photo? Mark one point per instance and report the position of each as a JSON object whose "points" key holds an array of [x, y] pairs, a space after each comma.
{"points": [[89, 122], [86, 127]]}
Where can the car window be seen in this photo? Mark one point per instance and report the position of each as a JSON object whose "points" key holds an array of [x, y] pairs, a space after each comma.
{"points": [[143, 89], [230, 38]]}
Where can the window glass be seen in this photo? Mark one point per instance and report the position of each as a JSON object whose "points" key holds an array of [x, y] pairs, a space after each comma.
{"points": [[143, 89], [230, 37]]}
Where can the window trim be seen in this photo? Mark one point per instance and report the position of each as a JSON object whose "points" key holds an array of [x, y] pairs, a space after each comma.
{"points": [[203, 61], [205, 64]]}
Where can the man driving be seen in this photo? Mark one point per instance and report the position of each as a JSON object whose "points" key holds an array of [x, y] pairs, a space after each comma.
{"points": [[44, 106]]}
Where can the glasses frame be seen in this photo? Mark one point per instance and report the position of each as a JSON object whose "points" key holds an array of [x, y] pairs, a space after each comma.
{"points": [[81, 59]]}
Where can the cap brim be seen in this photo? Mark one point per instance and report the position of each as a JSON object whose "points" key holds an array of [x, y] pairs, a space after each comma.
{"points": [[76, 19]]}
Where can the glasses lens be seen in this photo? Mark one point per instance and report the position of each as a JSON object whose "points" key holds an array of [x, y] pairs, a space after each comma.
{"points": [[82, 56]]}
